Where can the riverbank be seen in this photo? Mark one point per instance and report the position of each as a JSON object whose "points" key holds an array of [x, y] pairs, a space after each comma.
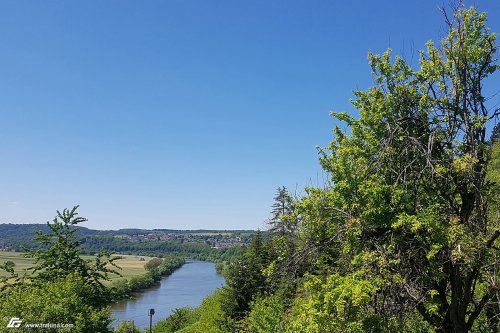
{"points": [[156, 269], [186, 287]]}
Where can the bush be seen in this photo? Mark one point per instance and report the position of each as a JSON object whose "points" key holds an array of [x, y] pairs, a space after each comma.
{"points": [[126, 327], [153, 263], [64, 301], [267, 316], [178, 320]]}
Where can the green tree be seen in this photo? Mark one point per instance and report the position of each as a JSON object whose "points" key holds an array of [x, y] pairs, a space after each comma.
{"points": [[153, 264], [493, 176], [179, 319], [267, 315], [128, 327], [282, 223], [211, 316], [409, 195], [283, 232], [245, 278], [405, 235], [60, 254], [11, 277]]}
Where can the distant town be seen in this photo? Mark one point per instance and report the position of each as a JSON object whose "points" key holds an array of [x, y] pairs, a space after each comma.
{"points": [[215, 240]]}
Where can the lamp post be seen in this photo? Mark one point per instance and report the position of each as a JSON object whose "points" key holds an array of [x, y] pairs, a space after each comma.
{"points": [[151, 313]]}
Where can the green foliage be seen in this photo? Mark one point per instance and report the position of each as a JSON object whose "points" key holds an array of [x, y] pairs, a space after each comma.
{"points": [[335, 305], [245, 278], [127, 327], [153, 264], [282, 221], [407, 200], [211, 316], [11, 277], [162, 267], [404, 237], [59, 255], [61, 301], [63, 288], [495, 134], [176, 321], [267, 315]]}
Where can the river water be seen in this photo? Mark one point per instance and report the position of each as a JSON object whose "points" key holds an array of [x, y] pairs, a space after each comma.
{"points": [[187, 286]]}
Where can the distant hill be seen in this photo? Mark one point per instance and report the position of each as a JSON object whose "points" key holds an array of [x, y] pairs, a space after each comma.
{"points": [[12, 230], [189, 243]]}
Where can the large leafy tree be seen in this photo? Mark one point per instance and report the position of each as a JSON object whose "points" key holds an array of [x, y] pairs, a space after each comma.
{"points": [[409, 195]]}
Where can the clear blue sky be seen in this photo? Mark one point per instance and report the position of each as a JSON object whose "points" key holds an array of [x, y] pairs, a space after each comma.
{"points": [[183, 114]]}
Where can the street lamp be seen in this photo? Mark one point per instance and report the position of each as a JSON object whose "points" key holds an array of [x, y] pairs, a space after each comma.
{"points": [[151, 313]]}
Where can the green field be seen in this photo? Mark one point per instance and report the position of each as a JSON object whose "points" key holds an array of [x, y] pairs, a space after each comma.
{"points": [[212, 234], [17, 257], [131, 265]]}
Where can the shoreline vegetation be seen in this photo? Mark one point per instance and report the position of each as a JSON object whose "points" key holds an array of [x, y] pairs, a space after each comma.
{"points": [[156, 269], [56, 274], [137, 272]]}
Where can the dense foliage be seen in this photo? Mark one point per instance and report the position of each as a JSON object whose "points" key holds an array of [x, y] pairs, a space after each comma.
{"points": [[60, 255], [62, 301], [405, 235]]}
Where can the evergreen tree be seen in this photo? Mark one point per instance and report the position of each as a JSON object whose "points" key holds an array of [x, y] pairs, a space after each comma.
{"points": [[245, 277], [281, 222]]}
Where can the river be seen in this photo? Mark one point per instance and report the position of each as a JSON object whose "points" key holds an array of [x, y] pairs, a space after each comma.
{"points": [[187, 286]]}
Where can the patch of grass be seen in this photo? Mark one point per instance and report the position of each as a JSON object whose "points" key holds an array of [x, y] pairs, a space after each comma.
{"points": [[17, 257], [212, 233], [132, 265]]}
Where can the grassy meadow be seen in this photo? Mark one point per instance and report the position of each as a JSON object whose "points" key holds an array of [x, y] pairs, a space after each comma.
{"points": [[131, 265]]}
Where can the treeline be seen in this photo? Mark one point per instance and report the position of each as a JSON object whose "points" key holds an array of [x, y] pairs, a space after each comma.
{"points": [[197, 251], [19, 237], [404, 237]]}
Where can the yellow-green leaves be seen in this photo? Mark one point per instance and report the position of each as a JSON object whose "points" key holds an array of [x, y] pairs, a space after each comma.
{"points": [[335, 304]]}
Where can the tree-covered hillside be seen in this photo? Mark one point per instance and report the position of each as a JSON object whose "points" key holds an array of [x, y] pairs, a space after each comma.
{"points": [[215, 245]]}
